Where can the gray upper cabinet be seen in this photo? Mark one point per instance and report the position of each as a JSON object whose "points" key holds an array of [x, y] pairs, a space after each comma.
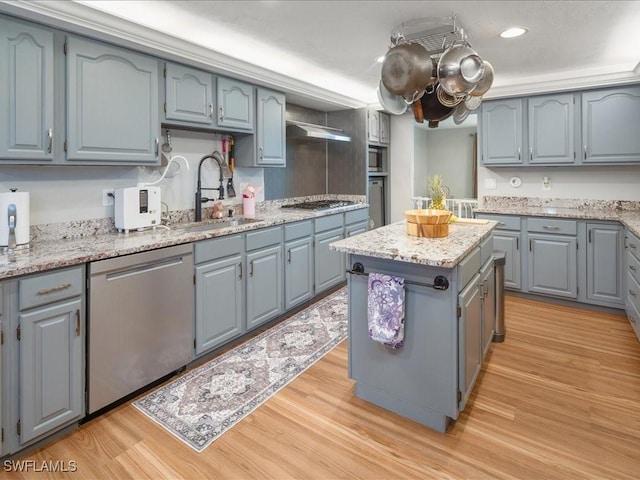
{"points": [[26, 92], [385, 128], [189, 95], [378, 127], [610, 125], [605, 251], [270, 128], [112, 105], [501, 132], [235, 104], [551, 129]]}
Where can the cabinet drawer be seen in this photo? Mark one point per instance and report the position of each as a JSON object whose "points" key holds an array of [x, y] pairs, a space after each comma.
{"points": [[486, 249], [633, 266], [633, 245], [468, 267], [355, 216], [552, 225], [207, 250], [264, 238], [50, 287], [633, 292], [298, 230], [505, 222], [329, 222]]}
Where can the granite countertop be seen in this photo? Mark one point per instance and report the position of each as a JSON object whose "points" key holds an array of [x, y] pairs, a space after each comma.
{"points": [[629, 218], [393, 243], [47, 255]]}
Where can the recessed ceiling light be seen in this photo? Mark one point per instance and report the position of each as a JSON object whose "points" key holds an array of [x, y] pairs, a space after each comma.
{"points": [[513, 32], [380, 59]]}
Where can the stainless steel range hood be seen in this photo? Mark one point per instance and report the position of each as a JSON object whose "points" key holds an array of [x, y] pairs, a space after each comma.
{"points": [[300, 130]]}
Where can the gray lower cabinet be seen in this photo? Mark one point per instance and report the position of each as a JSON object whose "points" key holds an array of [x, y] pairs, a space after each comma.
{"points": [[264, 285], [26, 92], [488, 294], [355, 229], [219, 296], [329, 266], [235, 104], [470, 339], [610, 120], [552, 265], [112, 105], [43, 355], [509, 242], [605, 250], [188, 95], [632, 292], [3, 319], [298, 267]]}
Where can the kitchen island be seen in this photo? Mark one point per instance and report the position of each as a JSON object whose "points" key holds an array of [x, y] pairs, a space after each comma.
{"points": [[449, 319]]}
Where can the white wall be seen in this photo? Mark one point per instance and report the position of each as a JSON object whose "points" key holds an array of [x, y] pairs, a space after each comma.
{"points": [[420, 162], [450, 155], [67, 193], [596, 183]]}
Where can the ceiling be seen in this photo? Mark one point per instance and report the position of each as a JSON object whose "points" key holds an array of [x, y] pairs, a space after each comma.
{"points": [[334, 45]]}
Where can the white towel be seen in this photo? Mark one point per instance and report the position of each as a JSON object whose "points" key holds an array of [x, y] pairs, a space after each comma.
{"points": [[385, 309]]}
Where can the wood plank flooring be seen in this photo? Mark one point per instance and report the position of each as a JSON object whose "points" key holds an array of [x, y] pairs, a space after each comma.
{"points": [[560, 399]]}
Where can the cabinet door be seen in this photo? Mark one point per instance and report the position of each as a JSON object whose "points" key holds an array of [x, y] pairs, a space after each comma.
{"points": [[51, 368], [551, 129], [298, 277], [509, 242], [469, 339], [189, 95], [488, 291], [605, 249], [264, 285], [385, 127], [218, 302], [235, 104], [26, 91], [610, 120], [502, 132], [553, 265], [329, 266], [112, 105], [355, 229], [373, 119], [271, 128]]}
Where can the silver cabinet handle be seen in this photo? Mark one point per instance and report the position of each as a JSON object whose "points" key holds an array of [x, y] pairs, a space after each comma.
{"points": [[585, 152], [77, 323], [221, 113], [519, 156], [632, 293], [632, 245], [240, 266], [517, 243], [550, 227], [261, 153], [502, 224], [211, 110], [251, 269], [157, 143], [632, 268], [531, 153], [47, 291], [50, 137], [289, 255]]}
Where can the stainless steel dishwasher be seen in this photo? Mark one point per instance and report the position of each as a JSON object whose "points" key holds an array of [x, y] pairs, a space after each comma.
{"points": [[140, 321]]}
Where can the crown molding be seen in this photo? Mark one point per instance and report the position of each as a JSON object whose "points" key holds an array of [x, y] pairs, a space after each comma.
{"points": [[81, 19]]}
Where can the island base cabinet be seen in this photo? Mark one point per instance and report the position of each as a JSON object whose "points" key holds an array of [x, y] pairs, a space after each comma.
{"points": [[470, 339], [420, 379]]}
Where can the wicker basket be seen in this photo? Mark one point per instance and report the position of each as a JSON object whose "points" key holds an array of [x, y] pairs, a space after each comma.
{"points": [[429, 223]]}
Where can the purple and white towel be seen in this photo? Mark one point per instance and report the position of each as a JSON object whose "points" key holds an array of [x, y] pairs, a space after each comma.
{"points": [[385, 309]]}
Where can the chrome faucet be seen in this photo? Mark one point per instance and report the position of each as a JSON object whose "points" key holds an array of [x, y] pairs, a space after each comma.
{"points": [[217, 156]]}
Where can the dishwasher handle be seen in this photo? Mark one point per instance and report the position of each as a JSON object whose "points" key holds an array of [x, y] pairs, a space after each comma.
{"points": [[143, 268]]}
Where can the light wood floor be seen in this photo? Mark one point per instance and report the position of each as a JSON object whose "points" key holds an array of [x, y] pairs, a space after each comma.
{"points": [[560, 399]]}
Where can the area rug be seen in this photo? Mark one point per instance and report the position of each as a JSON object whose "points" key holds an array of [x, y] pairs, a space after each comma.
{"points": [[205, 402]]}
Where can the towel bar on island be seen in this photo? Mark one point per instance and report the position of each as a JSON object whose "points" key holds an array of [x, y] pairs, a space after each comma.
{"points": [[439, 283]]}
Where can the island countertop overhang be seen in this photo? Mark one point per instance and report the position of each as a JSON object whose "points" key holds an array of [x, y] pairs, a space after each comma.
{"points": [[393, 243]]}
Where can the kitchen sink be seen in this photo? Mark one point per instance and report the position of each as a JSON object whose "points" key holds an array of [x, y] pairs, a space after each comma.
{"points": [[217, 225]]}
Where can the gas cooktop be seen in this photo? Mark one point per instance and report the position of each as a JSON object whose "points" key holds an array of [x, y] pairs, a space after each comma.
{"points": [[320, 204]]}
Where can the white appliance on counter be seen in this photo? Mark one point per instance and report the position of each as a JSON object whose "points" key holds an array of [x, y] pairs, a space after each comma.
{"points": [[14, 220], [137, 208]]}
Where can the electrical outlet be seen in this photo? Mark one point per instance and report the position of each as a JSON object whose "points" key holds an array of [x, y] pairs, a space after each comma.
{"points": [[108, 197], [546, 183]]}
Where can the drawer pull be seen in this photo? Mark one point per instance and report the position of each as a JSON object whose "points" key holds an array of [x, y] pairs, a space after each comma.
{"points": [[77, 323], [501, 224], [47, 291], [550, 227], [632, 293]]}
